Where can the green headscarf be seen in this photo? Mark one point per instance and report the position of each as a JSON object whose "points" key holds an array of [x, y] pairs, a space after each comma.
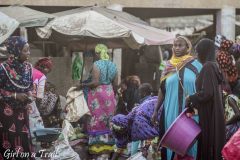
{"points": [[77, 68], [103, 51]]}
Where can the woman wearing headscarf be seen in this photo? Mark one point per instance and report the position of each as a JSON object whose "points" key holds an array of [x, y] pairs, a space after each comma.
{"points": [[101, 101], [49, 102], [177, 82], [226, 56], [15, 94], [208, 101], [42, 67], [136, 125], [226, 60]]}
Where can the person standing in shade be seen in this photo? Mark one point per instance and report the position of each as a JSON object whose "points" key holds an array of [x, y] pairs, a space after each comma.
{"points": [[177, 82], [99, 92], [208, 101], [16, 85]]}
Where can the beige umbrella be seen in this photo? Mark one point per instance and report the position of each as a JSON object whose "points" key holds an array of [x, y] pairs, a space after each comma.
{"points": [[7, 26], [27, 17], [101, 24]]}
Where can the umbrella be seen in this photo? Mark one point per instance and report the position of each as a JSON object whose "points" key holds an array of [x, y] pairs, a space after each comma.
{"points": [[27, 17], [7, 26], [100, 23]]}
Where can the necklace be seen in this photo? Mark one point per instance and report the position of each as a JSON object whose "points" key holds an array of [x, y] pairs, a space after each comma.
{"points": [[15, 84]]}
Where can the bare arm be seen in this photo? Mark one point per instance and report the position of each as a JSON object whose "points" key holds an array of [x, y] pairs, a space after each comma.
{"points": [[160, 100], [115, 83], [95, 78], [234, 106], [157, 107]]}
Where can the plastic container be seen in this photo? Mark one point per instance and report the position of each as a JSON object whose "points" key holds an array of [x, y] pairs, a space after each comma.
{"points": [[181, 135], [47, 134]]}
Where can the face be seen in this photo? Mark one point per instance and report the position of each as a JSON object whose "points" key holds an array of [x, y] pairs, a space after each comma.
{"points": [[180, 47], [46, 70], [142, 93], [96, 56], [123, 86], [25, 55], [201, 59]]}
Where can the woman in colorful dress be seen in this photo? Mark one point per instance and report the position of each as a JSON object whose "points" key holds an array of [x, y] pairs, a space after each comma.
{"points": [[42, 68], [15, 94], [177, 82], [232, 114], [101, 101], [227, 52], [136, 126]]}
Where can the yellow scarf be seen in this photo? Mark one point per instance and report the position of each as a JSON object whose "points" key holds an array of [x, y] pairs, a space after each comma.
{"points": [[103, 51], [178, 61]]}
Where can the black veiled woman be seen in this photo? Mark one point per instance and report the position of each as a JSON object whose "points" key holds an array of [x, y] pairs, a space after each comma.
{"points": [[208, 101]]}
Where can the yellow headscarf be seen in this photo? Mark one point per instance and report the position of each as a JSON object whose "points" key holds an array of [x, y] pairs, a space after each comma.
{"points": [[103, 51], [178, 61]]}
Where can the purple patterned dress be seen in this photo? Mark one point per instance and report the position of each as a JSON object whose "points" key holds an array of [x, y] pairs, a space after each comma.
{"points": [[137, 124]]}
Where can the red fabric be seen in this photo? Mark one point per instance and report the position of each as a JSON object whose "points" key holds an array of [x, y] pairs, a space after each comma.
{"points": [[44, 62], [231, 149], [186, 157]]}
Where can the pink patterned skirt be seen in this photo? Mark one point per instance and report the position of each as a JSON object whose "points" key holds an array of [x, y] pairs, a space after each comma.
{"points": [[102, 104]]}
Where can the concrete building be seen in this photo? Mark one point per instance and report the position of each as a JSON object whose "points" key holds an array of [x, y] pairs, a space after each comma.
{"points": [[224, 11]]}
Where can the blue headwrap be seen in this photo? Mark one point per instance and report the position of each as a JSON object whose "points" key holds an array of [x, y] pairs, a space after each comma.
{"points": [[15, 45]]}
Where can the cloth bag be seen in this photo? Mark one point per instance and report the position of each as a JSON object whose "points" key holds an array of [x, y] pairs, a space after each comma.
{"points": [[231, 149], [63, 150], [76, 105]]}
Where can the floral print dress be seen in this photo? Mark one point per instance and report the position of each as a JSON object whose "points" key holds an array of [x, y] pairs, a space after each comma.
{"points": [[15, 77], [229, 114], [102, 103]]}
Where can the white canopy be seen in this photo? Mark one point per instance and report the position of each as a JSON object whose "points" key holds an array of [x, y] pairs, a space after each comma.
{"points": [[27, 17], [7, 26], [103, 23]]}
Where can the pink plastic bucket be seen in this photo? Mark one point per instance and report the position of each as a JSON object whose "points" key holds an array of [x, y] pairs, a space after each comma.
{"points": [[181, 135]]}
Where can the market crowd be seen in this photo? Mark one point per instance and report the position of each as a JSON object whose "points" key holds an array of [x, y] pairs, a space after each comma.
{"points": [[118, 121]]}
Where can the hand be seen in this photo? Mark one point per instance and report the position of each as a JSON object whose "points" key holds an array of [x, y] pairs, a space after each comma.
{"points": [[115, 156], [65, 108], [78, 86], [144, 151], [190, 112], [22, 97], [187, 101], [189, 115], [154, 118]]}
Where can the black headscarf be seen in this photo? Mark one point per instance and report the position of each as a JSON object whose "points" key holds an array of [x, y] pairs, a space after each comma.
{"points": [[205, 49]]}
